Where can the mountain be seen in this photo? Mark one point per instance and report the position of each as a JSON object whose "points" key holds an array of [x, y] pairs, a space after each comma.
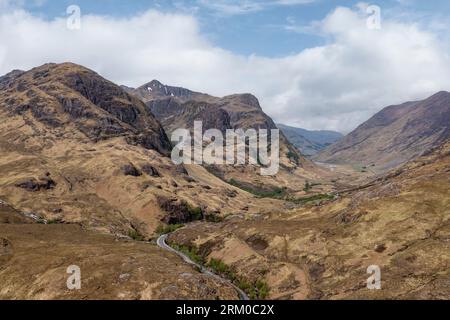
{"points": [[85, 171], [394, 135], [177, 107], [4, 80], [69, 95], [77, 148], [399, 222], [156, 90], [309, 142]]}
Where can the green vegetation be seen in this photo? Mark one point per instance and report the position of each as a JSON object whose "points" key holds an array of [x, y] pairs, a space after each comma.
{"points": [[213, 218], [261, 290], [282, 194], [258, 290], [192, 253], [276, 193], [164, 229], [195, 213], [293, 156], [221, 268], [51, 221], [307, 186], [316, 197], [360, 168], [135, 235], [54, 221]]}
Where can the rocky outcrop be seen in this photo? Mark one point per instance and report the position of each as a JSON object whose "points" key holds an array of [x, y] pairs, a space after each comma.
{"points": [[151, 170], [60, 95], [130, 170], [178, 211], [34, 185]]}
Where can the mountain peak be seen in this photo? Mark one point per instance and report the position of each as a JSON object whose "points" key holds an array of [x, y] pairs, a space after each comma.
{"points": [[72, 99], [153, 84], [440, 95], [155, 90], [442, 92], [244, 98], [10, 76]]}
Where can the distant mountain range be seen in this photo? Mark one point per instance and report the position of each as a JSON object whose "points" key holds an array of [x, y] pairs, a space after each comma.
{"points": [[394, 135], [309, 142]]}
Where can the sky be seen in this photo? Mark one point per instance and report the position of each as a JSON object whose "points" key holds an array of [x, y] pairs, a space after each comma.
{"points": [[315, 64]]}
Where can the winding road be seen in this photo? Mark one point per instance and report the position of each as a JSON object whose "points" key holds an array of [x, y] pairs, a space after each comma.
{"points": [[162, 244]]}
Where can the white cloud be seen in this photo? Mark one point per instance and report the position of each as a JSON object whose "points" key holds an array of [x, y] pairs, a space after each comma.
{"points": [[236, 7], [335, 86]]}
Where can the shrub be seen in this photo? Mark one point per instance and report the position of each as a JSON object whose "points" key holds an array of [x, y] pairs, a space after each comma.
{"points": [[293, 156], [135, 235], [316, 197], [164, 229], [307, 186], [256, 290], [195, 213], [192, 253], [219, 266], [276, 193], [262, 289], [213, 218], [54, 221]]}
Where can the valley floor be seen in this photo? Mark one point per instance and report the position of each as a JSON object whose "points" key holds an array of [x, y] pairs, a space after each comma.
{"points": [[400, 222]]}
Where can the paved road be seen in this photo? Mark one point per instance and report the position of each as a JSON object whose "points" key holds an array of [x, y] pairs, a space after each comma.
{"points": [[162, 244]]}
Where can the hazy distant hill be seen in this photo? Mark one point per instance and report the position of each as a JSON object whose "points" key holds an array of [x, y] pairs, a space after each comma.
{"points": [[309, 142]]}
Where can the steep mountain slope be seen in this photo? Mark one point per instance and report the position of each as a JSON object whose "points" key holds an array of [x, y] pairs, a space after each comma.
{"points": [[68, 95], [84, 170], [394, 135], [179, 108], [34, 259], [399, 222], [77, 148], [309, 142]]}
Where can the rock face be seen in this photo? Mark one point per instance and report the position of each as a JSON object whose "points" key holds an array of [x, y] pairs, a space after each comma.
{"points": [[156, 89], [63, 95], [395, 135], [177, 107], [181, 106], [44, 183], [81, 154], [76, 147], [178, 211], [309, 142]]}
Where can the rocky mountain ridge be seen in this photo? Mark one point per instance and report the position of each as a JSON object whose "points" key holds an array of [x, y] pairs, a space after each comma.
{"points": [[394, 135]]}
